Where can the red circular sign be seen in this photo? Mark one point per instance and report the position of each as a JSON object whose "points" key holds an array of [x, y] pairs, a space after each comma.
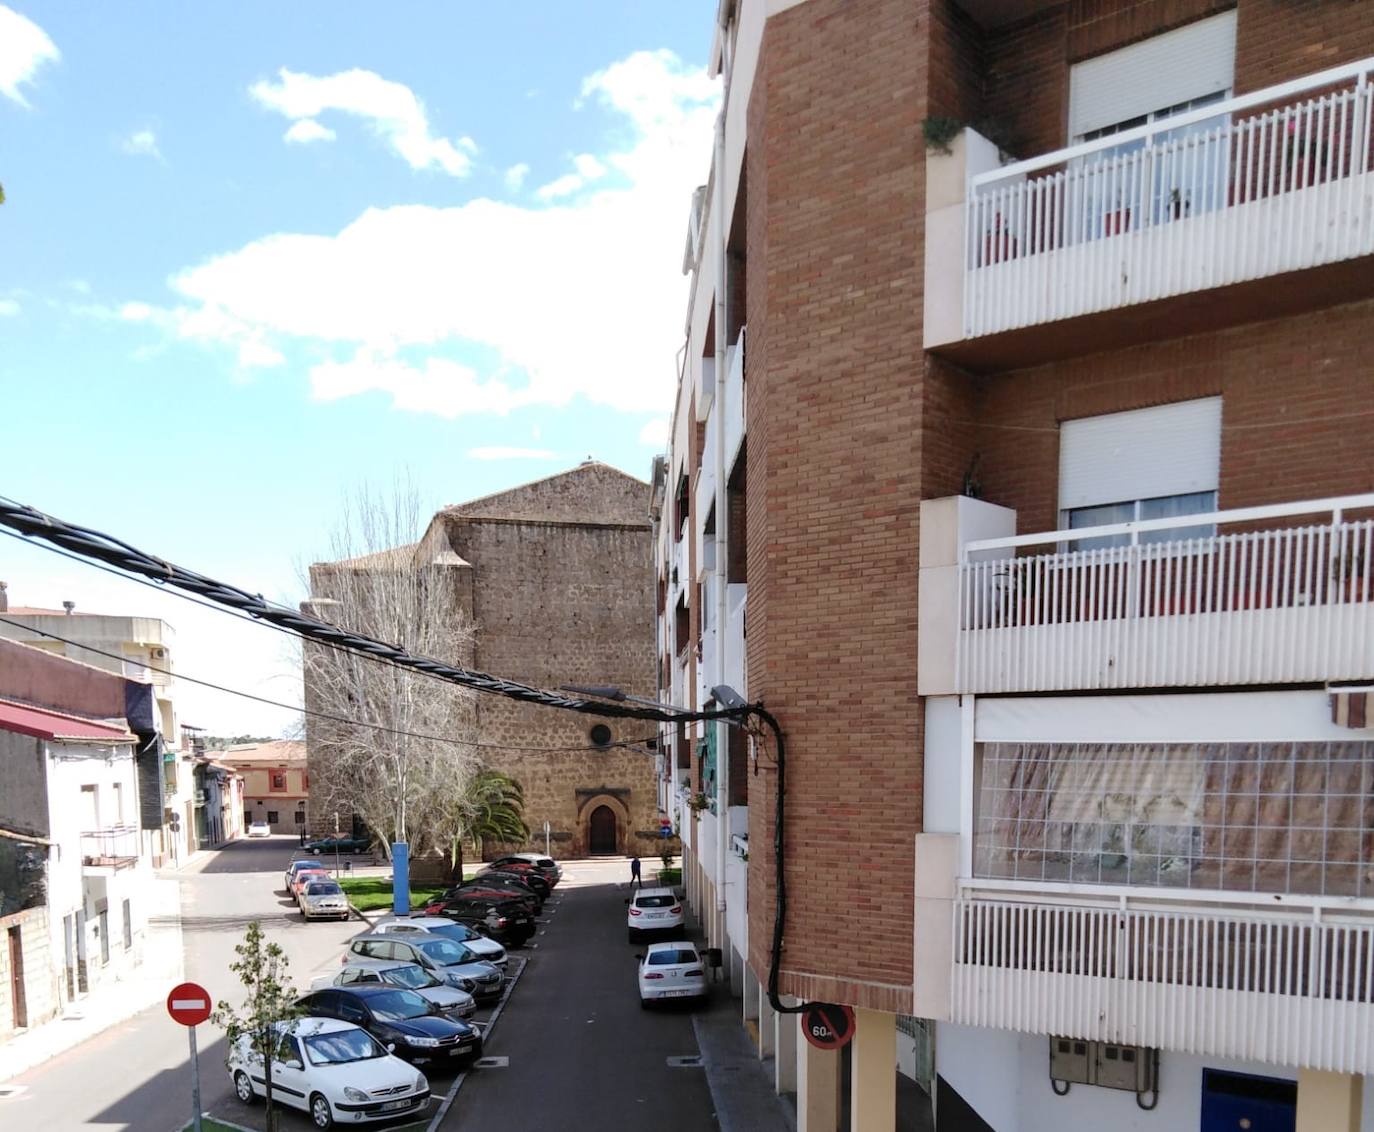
{"points": [[189, 1004], [826, 1025]]}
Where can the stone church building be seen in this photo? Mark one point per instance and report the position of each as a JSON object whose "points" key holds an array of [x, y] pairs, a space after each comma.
{"points": [[556, 580]]}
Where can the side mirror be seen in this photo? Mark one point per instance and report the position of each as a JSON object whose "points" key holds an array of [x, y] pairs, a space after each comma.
{"points": [[640, 956], [627, 900], [294, 1064]]}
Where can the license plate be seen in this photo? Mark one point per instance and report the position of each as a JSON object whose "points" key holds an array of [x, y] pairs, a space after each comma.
{"points": [[677, 993], [460, 1049], [390, 1106]]}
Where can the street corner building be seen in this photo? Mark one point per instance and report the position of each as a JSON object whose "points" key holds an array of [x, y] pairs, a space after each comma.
{"points": [[554, 581], [1020, 467]]}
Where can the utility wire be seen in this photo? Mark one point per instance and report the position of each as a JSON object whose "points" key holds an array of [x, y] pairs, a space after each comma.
{"points": [[309, 711], [90, 543]]}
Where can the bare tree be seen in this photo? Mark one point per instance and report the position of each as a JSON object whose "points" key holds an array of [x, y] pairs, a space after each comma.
{"points": [[399, 766]]}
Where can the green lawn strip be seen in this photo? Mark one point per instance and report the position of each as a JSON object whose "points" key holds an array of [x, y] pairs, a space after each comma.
{"points": [[373, 894]]}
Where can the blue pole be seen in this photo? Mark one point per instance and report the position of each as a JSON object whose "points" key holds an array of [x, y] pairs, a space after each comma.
{"points": [[400, 885]]}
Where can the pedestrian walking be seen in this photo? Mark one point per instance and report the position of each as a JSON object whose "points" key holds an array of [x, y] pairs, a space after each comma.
{"points": [[634, 873]]}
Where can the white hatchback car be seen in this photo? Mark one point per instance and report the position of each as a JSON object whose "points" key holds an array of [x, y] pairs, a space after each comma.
{"points": [[653, 910], [259, 829], [670, 970], [332, 1070]]}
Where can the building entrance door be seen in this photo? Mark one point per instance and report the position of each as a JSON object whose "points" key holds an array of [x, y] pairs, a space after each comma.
{"points": [[1242, 1100], [601, 831], [21, 1013]]}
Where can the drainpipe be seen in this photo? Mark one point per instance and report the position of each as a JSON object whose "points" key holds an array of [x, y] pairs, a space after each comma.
{"points": [[722, 519]]}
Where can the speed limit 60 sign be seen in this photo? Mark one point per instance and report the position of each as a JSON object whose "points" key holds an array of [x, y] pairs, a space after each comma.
{"points": [[826, 1025]]}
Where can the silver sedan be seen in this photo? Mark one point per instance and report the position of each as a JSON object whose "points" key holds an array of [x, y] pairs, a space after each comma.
{"points": [[323, 900], [411, 976]]}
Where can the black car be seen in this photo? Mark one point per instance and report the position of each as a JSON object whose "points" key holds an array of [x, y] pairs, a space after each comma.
{"points": [[503, 919], [530, 880], [399, 1018], [529, 902]]}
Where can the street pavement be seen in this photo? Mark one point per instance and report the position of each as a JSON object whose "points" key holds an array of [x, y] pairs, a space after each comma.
{"points": [[137, 1074], [582, 1054]]}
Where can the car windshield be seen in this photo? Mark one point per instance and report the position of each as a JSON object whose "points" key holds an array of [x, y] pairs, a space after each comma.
{"points": [[443, 951], [301, 866], [341, 1046], [671, 956], [654, 902], [451, 931], [323, 888], [397, 1005], [412, 975]]}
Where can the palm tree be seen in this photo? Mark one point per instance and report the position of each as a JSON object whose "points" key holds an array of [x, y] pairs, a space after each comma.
{"points": [[491, 808]]}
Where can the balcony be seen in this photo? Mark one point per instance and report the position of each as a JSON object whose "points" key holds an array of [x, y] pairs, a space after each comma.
{"points": [[1213, 204], [112, 848], [1292, 987], [1262, 595]]}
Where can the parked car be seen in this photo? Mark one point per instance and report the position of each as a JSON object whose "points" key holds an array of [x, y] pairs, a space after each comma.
{"points": [[501, 917], [486, 949], [401, 1018], [492, 882], [333, 1070], [524, 865], [408, 976], [259, 829], [530, 879], [670, 970], [304, 877], [455, 963], [653, 910], [339, 845], [323, 899], [552, 870], [296, 866]]}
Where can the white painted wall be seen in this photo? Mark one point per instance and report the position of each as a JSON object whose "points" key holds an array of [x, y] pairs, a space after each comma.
{"points": [[942, 755], [1005, 1077]]}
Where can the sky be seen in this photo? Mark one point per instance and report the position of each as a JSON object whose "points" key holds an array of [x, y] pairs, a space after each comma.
{"points": [[257, 257]]}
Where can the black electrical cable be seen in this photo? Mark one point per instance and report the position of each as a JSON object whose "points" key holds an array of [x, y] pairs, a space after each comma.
{"points": [[90, 543], [352, 722]]}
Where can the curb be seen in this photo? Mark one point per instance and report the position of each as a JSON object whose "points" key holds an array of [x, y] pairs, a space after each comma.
{"points": [[463, 1076]]}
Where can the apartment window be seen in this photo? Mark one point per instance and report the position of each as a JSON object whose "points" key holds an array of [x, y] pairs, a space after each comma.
{"points": [[279, 780], [1287, 817], [1155, 463], [128, 915], [300, 817], [272, 817], [90, 808]]}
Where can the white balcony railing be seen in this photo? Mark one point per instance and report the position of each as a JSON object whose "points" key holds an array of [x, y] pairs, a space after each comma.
{"points": [[1286, 988], [1283, 604], [1232, 192]]}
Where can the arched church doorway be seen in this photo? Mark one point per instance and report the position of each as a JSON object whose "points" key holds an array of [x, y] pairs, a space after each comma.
{"points": [[601, 831]]}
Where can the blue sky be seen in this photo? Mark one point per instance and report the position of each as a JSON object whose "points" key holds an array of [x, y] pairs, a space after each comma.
{"points": [[255, 256]]}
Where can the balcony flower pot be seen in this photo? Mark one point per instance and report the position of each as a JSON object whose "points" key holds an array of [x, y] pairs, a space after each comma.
{"points": [[999, 245], [1116, 222]]}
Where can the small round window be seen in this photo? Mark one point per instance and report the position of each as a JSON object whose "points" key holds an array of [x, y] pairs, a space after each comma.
{"points": [[601, 735]]}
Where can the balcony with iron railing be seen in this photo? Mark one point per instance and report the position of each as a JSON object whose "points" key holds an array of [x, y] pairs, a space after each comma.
{"points": [[1213, 205], [1262, 595], [115, 847]]}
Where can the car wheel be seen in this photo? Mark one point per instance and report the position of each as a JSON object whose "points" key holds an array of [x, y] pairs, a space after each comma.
{"points": [[320, 1113], [243, 1088], [643, 1004]]}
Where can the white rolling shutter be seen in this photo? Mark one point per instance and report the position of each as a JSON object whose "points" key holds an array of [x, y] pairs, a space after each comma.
{"points": [[1140, 454], [1180, 65]]}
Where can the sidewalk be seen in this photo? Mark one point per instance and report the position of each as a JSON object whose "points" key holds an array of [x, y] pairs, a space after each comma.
{"points": [[741, 1084], [163, 966]]}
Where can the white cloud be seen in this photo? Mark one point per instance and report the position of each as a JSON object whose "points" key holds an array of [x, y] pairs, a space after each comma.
{"points": [[588, 169], [308, 130], [655, 433], [511, 454], [580, 298], [390, 108], [8, 308], [24, 47], [515, 176], [141, 143]]}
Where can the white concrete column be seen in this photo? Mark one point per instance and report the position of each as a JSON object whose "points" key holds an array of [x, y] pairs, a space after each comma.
{"points": [[1329, 1102], [749, 985], [818, 1085], [873, 1072], [786, 1028], [766, 1015]]}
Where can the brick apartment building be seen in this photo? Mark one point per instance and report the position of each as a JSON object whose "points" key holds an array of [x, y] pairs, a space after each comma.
{"points": [[1036, 511], [554, 578]]}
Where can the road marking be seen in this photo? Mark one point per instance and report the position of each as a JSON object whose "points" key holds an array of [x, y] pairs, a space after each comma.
{"points": [[686, 1061], [492, 1063]]}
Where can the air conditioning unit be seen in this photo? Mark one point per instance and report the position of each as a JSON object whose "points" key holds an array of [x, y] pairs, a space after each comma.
{"points": [[159, 654]]}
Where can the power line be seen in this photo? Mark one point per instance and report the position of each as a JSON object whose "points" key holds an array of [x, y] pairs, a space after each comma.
{"points": [[308, 711]]}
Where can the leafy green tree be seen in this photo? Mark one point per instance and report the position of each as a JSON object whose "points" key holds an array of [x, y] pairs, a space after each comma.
{"points": [[491, 807], [270, 1000]]}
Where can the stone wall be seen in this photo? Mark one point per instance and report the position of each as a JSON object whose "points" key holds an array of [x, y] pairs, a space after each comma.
{"points": [[40, 975]]}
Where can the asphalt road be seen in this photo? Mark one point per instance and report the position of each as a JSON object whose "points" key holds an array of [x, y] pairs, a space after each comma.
{"points": [[582, 1054], [137, 1075]]}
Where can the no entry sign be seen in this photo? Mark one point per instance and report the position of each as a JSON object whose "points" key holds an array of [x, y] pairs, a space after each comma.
{"points": [[826, 1025], [189, 1004]]}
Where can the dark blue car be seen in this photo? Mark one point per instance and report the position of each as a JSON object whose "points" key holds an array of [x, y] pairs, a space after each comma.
{"points": [[399, 1018]]}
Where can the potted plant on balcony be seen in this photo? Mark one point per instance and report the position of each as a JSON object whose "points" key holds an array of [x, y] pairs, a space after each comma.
{"points": [[698, 802]]}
